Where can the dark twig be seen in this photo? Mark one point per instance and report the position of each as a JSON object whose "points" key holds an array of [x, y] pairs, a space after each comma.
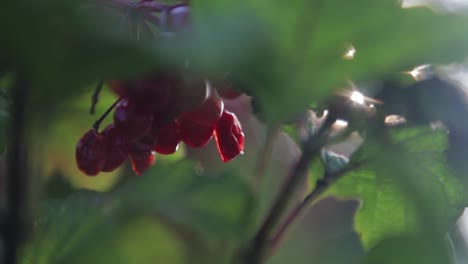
{"points": [[99, 121], [321, 186], [17, 172], [95, 97], [257, 248]]}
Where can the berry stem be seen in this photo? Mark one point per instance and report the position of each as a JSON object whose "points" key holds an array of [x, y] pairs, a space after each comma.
{"points": [[95, 97], [99, 121]]}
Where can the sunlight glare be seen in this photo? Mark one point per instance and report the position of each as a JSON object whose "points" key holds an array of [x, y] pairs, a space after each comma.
{"points": [[341, 123], [350, 52], [357, 97]]}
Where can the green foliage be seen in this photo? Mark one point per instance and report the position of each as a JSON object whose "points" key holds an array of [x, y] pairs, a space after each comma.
{"points": [[303, 63], [406, 189], [288, 55], [131, 223]]}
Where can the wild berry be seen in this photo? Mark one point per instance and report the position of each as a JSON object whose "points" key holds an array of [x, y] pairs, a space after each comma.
{"points": [[209, 111], [116, 148], [194, 134], [132, 121], [167, 138], [90, 153], [229, 136]]}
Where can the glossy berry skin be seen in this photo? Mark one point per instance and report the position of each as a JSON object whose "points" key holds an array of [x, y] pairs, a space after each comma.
{"points": [[133, 123], [141, 164], [167, 138], [229, 136], [116, 149], [90, 153], [194, 134], [209, 111]]}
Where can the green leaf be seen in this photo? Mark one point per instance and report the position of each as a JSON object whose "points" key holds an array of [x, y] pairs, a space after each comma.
{"points": [[304, 43], [216, 206], [428, 249], [61, 48], [405, 187], [63, 226], [125, 225]]}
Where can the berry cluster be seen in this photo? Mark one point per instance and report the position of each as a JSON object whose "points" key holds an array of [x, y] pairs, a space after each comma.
{"points": [[154, 114]]}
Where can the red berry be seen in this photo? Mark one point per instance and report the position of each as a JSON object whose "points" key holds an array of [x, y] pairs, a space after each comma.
{"points": [[116, 152], [140, 165], [132, 122], [229, 136], [167, 138], [209, 111], [153, 91], [141, 148], [90, 153], [190, 95], [194, 134]]}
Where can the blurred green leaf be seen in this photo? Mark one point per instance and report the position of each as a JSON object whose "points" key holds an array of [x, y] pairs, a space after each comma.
{"points": [[305, 41], [428, 249], [406, 187], [122, 226], [65, 225], [61, 48], [216, 206]]}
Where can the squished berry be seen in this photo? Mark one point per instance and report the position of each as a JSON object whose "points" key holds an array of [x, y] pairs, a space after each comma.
{"points": [[90, 153], [194, 134], [229, 136], [132, 122], [116, 152], [140, 165], [167, 138]]}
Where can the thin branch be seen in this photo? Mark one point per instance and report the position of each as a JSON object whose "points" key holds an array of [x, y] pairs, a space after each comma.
{"points": [[99, 121], [255, 253], [95, 97], [321, 186]]}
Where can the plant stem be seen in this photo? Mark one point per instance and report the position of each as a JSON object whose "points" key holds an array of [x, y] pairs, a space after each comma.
{"points": [[99, 121], [95, 97], [257, 248], [321, 186], [17, 172]]}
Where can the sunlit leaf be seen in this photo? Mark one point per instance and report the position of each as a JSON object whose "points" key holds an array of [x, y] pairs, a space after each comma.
{"points": [[406, 186]]}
